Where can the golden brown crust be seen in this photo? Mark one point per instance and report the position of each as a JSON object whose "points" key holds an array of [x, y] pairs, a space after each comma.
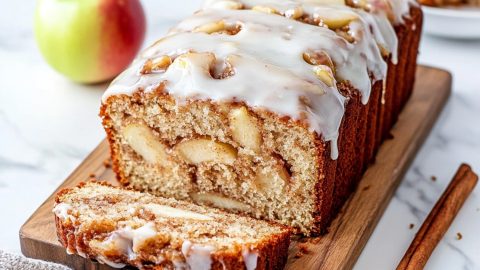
{"points": [[348, 162], [416, 26], [401, 77], [382, 110], [114, 151], [371, 124], [324, 188]]}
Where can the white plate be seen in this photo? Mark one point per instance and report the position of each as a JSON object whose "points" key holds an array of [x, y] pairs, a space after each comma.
{"points": [[452, 23]]}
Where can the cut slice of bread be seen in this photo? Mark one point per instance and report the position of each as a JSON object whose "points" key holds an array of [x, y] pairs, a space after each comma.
{"points": [[122, 227]]}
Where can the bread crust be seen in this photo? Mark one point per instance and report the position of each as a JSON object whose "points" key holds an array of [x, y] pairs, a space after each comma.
{"points": [[416, 25], [408, 35]]}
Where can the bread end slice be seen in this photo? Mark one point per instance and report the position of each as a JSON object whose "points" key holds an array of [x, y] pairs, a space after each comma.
{"points": [[122, 227]]}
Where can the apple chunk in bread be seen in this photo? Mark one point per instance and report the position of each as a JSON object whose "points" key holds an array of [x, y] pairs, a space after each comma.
{"points": [[294, 13], [170, 212], [157, 64], [196, 151], [265, 9], [217, 200], [316, 58], [245, 129], [212, 27], [337, 19], [324, 73], [141, 139], [272, 180]]}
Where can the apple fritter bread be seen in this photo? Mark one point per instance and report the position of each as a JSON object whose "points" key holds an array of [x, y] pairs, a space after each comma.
{"points": [[270, 108]]}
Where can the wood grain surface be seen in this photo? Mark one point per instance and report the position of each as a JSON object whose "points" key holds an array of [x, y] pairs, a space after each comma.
{"points": [[350, 231]]}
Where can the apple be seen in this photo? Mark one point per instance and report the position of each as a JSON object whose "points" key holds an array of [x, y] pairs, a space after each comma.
{"points": [[89, 41]]}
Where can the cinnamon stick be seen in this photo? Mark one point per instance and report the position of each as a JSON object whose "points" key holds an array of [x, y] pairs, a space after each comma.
{"points": [[439, 219]]}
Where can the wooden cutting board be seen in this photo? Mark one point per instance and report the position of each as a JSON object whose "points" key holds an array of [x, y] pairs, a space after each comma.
{"points": [[348, 234]]}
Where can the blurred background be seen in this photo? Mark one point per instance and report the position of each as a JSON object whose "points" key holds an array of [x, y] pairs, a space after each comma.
{"points": [[49, 124]]}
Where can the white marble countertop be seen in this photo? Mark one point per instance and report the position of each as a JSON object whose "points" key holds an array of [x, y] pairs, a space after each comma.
{"points": [[48, 125]]}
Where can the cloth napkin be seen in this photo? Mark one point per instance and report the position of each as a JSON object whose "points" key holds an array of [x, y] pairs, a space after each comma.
{"points": [[10, 261]]}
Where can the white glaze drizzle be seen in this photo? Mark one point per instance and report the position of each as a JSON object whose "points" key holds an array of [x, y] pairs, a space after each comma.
{"points": [[382, 29], [62, 211], [399, 8], [108, 262], [198, 257], [377, 17], [171, 212], [80, 252], [250, 258], [289, 39], [224, 267], [127, 241], [141, 234]]}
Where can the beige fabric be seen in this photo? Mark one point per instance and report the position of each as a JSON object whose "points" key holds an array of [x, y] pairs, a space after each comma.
{"points": [[10, 261]]}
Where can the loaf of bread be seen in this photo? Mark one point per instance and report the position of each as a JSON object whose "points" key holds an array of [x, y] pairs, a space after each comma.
{"points": [[122, 227], [270, 108]]}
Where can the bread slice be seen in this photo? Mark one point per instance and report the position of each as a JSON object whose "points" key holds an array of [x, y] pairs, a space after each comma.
{"points": [[122, 227]]}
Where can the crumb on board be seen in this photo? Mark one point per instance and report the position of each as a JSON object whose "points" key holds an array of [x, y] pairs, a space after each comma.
{"points": [[459, 236], [298, 255], [92, 175], [302, 250], [106, 163], [411, 226], [365, 188], [433, 178], [314, 240]]}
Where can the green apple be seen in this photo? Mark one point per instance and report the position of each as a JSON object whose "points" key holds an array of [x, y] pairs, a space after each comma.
{"points": [[89, 41]]}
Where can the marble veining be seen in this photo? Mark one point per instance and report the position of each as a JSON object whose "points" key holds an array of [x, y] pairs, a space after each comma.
{"points": [[48, 125]]}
